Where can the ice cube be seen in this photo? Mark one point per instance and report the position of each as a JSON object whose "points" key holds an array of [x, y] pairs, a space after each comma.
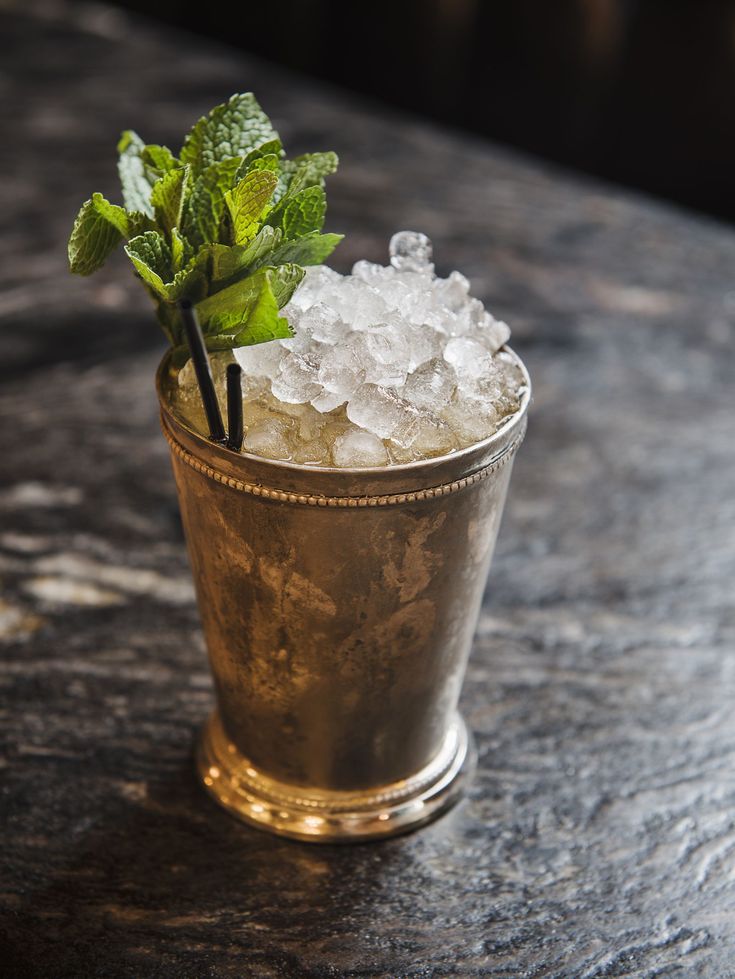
{"points": [[301, 343], [511, 374], [342, 368], [384, 413], [270, 438], [317, 277], [424, 343], [410, 251], [431, 385], [471, 420], [468, 357], [371, 272], [327, 401], [322, 324], [356, 448], [308, 422], [356, 303], [296, 381], [452, 293], [253, 386], [261, 359], [491, 333], [434, 437], [313, 453], [389, 344]]}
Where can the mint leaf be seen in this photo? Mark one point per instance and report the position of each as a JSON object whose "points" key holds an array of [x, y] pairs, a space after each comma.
{"points": [[247, 202], [246, 312], [136, 185], [303, 213], [151, 256], [266, 240], [179, 248], [98, 228], [229, 225], [284, 279], [230, 260], [159, 157], [268, 161], [232, 129], [227, 261], [167, 197], [189, 283], [206, 205], [138, 223], [311, 249], [115, 215], [310, 171], [271, 148]]}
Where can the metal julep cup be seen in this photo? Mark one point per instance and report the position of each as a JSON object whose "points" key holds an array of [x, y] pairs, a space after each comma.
{"points": [[338, 609]]}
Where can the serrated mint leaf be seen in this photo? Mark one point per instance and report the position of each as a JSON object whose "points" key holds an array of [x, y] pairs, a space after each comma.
{"points": [[136, 184], [159, 157], [117, 216], [307, 170], [262, 325], [287, 170], [267, 162], [271, 148], [205, 207], [310, 171], [246, 312], [229, 225], [98, 229], [247, 202], [284, 279], [266, 240], [193, 280], [178, 247], [227, 261], [310, 249], [232, 129], [303, 213], [151, 256], [189, 283], [167, 197], [138, 223]]}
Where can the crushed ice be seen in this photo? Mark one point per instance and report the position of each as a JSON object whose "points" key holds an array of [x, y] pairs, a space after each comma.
{"points": [[388, 365]]}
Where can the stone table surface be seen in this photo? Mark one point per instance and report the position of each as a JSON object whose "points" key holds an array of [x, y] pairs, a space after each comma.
{"points": [[598, 838]]}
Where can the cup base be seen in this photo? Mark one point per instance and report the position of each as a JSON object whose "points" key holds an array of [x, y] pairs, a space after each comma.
{"points": [[323, 816]]}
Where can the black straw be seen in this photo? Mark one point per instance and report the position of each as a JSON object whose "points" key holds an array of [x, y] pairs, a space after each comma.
{"points": [[203, 370], [234, 407]]}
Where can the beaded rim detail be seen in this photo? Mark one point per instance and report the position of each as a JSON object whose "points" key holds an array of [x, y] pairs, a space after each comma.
{"points": [[351, 502]]}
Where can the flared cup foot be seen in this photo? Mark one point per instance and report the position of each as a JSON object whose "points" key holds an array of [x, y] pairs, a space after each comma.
{"points": [[322, 816]]}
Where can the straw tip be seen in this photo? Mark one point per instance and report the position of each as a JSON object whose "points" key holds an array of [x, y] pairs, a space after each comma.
{"points": [[234, 371]]}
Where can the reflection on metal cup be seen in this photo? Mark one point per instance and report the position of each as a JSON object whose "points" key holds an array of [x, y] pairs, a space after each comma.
{"points": [[338, 608]]}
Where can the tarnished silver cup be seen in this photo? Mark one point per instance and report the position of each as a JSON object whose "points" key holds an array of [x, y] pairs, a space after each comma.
{"points": [[338, 608]]}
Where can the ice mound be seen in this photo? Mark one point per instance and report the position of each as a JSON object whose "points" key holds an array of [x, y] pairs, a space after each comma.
{"points": [[388, 365]]}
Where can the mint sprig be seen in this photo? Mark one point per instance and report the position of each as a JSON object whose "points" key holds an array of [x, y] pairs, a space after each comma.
{"points": [[228, 224]]}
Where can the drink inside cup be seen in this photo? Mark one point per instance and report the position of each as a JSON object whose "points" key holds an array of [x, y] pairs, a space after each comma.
{"points": [[388, 365]]}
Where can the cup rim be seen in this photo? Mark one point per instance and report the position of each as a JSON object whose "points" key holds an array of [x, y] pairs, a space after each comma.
{"points": [[480, 448]]}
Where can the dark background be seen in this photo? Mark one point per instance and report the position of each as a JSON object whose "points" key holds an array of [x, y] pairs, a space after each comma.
{"points": [[638, 91]]}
